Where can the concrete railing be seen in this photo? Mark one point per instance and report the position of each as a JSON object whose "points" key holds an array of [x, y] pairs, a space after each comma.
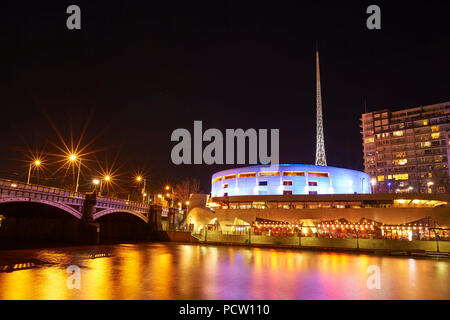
{"points": [[312, 242]]}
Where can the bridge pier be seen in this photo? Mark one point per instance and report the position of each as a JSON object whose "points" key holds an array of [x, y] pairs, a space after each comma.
{"points": [[90, 229], [154, 220], [171, 219]]}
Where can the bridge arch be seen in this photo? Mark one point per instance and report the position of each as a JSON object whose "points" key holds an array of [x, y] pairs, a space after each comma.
{"points": [[58, 205], [115, 210]]}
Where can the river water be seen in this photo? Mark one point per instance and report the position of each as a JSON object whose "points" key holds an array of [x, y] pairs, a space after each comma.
{"points": [[190, 271]]}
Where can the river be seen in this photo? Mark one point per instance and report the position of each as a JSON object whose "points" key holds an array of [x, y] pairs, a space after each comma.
{"points": [[189, 271]]}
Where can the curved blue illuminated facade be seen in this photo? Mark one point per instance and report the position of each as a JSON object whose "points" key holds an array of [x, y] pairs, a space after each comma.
{"points": [[289, 179]]}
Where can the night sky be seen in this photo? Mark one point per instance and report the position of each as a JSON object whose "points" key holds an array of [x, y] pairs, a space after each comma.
{"points": [[137, 70]]}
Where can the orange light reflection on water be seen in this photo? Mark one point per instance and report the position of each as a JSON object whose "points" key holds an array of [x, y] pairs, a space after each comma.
{"points": [[185, 271]]}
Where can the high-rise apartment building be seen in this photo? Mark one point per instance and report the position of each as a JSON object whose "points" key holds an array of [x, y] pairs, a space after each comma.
{"points": [[408, 150]]}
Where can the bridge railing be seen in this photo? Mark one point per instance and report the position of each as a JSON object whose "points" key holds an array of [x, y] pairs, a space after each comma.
{"points": [[16, 185], [108, 202], [17, 188]]}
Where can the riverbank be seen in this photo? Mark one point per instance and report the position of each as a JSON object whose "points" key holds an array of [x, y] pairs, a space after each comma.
{"points": [[414, 248], [417, 248]]}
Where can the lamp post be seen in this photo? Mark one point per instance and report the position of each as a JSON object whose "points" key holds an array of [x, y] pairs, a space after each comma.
{"points": [[429, 184], [389, 186], [169, 194], [373, 182], [36, 163], [73, 158], [143, 191], [107, 179], [97, 182]]}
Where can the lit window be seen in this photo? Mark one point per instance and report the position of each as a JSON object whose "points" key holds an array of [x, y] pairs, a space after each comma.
{"points": [[434, 128], [293, 174], [435, 135], [287, 183], [398, 133], [318, 174], [425, 122], [230, 176], [400, 162], [247, 175], [380, 178], [269, 173], [312, 183], [369, 140], [217, 179], [403, 176]]}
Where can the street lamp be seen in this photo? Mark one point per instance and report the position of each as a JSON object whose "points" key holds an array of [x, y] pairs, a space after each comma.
{"points": [[97, 182], [73, 158], [389, 186], [35, 163], [373, 182], [429, 184], [169, 194], [143, 191]]}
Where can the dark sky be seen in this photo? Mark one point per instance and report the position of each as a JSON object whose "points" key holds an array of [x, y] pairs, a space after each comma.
{"points": [[137, 70]]}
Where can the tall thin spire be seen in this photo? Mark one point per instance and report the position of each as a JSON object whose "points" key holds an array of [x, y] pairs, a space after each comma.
{"points": [[320, 144]]}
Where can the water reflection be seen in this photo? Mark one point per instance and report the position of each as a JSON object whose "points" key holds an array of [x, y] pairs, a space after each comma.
{"points": [[183, 271]]}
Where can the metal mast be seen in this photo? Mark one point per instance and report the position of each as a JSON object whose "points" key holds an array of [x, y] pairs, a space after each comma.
{"points": [[320, 144]]}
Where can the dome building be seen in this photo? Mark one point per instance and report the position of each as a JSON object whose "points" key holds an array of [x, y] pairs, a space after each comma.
{"points": [[289, 179]]}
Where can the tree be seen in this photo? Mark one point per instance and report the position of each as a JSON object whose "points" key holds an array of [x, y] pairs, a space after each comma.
{"points": [[185, 188]]}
